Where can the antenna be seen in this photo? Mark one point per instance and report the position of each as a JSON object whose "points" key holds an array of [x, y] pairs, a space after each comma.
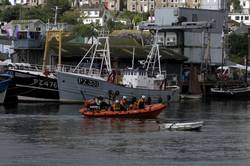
{"points": [[56, 10]]}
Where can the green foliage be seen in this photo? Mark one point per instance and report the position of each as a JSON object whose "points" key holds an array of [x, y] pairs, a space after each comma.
{"points": [[84, 30], [71, 16], [111, 25], [5, 2], [133, 18], [37, 13], [64, 5], [10, 13], [235, 4], [237, 46]]}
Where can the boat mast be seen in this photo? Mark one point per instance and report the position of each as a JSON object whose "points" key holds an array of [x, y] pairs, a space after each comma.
{"points": [[222, 53], [247, 56], [153, 57], [101, 53]]}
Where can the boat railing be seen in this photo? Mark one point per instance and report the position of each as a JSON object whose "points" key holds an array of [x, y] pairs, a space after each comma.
{"points": [[171, 79], [83, 70], [26, 66], [32, 67]]}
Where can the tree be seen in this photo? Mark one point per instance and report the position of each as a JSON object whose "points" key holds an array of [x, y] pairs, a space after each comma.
{"points": [[64, 5], [237, 46], [5, 2], [84, 30], [71, 16], [37, 13], [133, 18], [10, 13], [235, 4]]}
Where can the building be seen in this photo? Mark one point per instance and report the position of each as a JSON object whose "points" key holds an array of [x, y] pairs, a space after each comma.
{"points": [[193, 3], [140, 6], [113, 5], [240, 18], [151, 5], [245, 6], [97, 15], [28, 2], [213, 4], [26, 38], [196, 31]]}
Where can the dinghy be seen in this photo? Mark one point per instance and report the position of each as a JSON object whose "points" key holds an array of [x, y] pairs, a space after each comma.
{"points": [[182, 126]]}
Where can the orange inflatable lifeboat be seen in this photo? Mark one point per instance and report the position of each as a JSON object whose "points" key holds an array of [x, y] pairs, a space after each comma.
{"points": [[150, 111]]}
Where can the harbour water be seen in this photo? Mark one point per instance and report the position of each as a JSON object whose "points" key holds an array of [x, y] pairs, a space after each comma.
{"points": [[51, 134]]}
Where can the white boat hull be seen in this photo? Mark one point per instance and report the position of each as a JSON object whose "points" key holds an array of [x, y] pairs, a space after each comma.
{"points": [[76, 87], [191, 96], [182, 126]]}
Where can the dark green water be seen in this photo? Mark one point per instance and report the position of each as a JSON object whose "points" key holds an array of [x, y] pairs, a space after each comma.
{"points": [[57, 135]]}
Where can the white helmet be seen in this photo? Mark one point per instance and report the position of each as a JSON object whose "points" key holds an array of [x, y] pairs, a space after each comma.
{"points": [[116, 101], [124, 97], [143, 96]]}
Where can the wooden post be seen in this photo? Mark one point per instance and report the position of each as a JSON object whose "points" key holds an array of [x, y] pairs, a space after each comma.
{"points": [[45, 52], [60, 49]]}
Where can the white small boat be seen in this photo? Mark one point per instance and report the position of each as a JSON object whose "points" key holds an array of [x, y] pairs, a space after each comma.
{"points": [[182, 126], [191, 96]]}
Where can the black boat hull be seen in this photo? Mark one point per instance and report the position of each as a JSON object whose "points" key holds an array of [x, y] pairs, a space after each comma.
{"points": [[33, 86]]}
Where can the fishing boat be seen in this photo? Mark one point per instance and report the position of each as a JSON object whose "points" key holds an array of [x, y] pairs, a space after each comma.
{"points": [[36, 83], [188, 126], [233, 92], [4, 84], [149, 111], [90, 80], [32, 84]]}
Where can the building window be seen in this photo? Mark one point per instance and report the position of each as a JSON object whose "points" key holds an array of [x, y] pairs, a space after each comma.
{"points": [[237, 17], [241, 17], [133, 7], [246, 17], [194, 18]]}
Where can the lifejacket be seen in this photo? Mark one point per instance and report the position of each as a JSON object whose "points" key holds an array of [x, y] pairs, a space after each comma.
{"points": [[141, 103], [123, 102], [116, 106]]}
